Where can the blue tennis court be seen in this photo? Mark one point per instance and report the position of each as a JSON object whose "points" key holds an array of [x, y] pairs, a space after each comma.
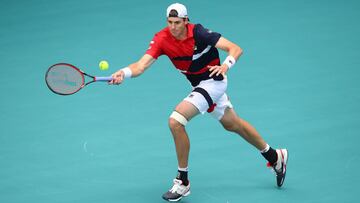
{"points": [[297, 83]]}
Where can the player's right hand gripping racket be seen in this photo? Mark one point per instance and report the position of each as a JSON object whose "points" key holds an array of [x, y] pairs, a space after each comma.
{"points": [[66, 79]]}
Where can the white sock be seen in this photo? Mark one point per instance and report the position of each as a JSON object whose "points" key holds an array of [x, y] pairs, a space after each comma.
{"points": [[266, 149], [183, 169]]}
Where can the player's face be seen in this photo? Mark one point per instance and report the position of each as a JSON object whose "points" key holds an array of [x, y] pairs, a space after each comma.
{"points": [[177, 26]]}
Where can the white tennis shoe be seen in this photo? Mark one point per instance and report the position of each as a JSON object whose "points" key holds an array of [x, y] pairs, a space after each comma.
{"points": [[280, 166], [177, 191]]}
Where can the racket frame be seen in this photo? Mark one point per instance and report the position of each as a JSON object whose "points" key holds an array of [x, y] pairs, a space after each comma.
{"points": [[82, 73]]}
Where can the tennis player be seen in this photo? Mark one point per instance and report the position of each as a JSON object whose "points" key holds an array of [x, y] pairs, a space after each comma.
{"points": [[193, 50]]}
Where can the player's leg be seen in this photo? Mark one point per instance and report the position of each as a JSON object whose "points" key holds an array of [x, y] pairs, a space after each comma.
{"points": [[233, 123], [182, 143], [183, 113], [196, 102], [276, 158]]}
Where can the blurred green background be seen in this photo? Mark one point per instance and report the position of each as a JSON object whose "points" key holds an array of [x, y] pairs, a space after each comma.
{"points": [[297, 83]]}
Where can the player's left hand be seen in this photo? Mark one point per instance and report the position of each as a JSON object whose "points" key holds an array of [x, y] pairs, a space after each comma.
{"points": [[217, 70]]}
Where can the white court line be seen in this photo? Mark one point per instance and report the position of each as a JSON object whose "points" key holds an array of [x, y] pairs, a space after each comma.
{"points": [[85, 146]]}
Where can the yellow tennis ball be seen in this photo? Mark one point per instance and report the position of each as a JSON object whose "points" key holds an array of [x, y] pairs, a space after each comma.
{"points": [[103, 65]]}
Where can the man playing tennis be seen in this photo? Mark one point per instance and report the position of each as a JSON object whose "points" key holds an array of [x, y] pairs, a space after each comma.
{"points": [[193, 50]]}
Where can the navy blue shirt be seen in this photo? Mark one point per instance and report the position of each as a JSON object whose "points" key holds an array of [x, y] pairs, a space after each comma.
{"points": [[191, 56]]}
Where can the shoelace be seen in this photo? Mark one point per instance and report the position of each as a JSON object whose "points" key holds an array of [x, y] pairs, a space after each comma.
{"points": [[176, 186]]}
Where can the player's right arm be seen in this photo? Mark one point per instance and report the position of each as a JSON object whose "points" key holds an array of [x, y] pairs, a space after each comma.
{"points": [[136, 69], [139, 67]]}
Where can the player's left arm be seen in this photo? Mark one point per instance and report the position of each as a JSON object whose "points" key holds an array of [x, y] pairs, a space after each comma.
{"points": [[234, 52]]}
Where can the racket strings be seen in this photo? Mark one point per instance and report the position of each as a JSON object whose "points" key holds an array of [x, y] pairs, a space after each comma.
{"points": [[64, 79]]}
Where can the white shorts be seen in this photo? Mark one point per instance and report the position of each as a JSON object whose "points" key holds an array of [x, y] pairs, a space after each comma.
{"points": [[216, 90]]}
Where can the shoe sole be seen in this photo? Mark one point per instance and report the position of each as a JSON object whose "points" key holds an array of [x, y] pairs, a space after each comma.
{"points": [[178, 199]]}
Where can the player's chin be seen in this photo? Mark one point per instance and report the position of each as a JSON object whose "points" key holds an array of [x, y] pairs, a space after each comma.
{"points": [[174, 33]]}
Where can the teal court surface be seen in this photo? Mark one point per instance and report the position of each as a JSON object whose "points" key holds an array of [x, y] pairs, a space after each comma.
{"points": [[297, 83]]}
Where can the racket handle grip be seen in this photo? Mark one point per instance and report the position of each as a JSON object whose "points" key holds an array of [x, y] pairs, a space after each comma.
{"points": [[105, 79]]}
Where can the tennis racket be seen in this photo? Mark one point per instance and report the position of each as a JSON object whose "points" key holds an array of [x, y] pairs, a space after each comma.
{"points": [[66, 79]]}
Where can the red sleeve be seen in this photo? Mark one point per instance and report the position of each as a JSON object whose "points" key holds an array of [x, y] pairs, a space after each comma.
{"points": [[155, 49]]}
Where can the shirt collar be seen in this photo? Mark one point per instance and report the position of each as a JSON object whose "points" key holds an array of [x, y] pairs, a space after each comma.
{"points": [[189, 34]]}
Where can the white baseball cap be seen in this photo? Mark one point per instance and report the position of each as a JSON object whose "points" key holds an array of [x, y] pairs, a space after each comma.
{"points": [[179, 8]]}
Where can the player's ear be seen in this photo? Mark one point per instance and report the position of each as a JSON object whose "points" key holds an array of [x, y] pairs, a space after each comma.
{"points": [[186, 20]]}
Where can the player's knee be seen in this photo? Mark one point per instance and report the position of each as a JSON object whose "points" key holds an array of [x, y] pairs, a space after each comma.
{"points": [[230, 126], [174, 124], [177, 120]]}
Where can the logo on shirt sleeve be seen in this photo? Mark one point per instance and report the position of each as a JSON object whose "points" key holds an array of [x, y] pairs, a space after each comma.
{"points": [[151, 42]]}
